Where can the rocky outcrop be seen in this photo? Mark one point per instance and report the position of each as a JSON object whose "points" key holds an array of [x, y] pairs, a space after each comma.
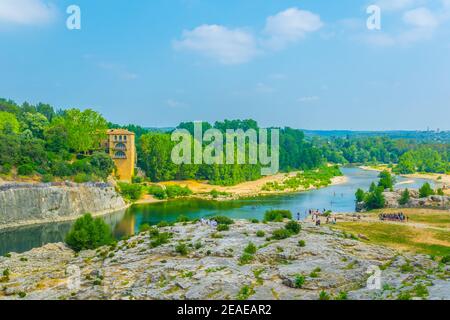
{"points": [[435, 201], [212, 268], [22, 203]]}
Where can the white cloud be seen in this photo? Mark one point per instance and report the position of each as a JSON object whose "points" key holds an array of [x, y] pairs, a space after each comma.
{"points": [[264, 88], [290, 26], [228, 46], [421, 18], [26, 12]]}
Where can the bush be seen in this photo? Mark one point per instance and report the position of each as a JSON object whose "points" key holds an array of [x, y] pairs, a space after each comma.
{"points": [[293, 227], [89, 233], [131, 192], [440, 192], [160, 239], [5, 168], [223, 220], [360, 195], [182, 249], [301, 243], [246, 258], [250, 249], [25, 170], [157, 191], [47, 178], [299, 281], [281, 234], [223, 227], [144, 227], [426, 191], [324, 296], [254, 220], [260, 233], [277, 215], [182, 218], [176, 191], [82, 178], [446, 260], [405, 197]]}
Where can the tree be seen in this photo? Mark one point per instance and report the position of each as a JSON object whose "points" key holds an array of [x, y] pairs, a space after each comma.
{"points": [[85, 129], [8, 123], [360, 195], [36, 123], [386, 180], [375, 199], [426, 190], [405, 197], [89, 233]]}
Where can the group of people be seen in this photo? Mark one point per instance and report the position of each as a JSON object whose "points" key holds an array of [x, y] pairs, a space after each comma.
{"points": [[317, 216], [207, 222], [393, 217]]}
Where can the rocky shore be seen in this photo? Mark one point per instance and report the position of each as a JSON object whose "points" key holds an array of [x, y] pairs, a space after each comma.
{"points": [[27, 203], [318, 262]]}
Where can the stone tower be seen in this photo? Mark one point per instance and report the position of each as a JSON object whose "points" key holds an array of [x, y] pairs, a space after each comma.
{"points": [[122, 149]]}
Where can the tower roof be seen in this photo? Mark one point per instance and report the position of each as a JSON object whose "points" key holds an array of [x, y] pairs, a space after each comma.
{"points": [[120, 131]]}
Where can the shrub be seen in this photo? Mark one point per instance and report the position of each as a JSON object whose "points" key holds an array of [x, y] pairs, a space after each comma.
{"points": [[182, 218], [223, 220], [157, 191], [89, 233], [293, 227], [405, 197], [82, 178], [47, 178], [426, 191], [280, 234], [254, 220], [176, 191], [299, 281], [131, 192], [324, 296], [342, 296], [440, 192], [301, 243], [223, 227], [160, 239], [245, 293], [260, 233], [360, 195], [163, 224], [446, 259], [25, 170], [245, 258], [250, 249], [144, 227], [277, 215], [182, 249]]}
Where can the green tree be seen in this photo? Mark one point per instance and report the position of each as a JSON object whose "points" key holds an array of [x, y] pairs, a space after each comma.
{"points": [[360, 195], [405, 197], [8, 123], [89, 233], [375, 199], [85, 129], [426, 190], [386, 180]]}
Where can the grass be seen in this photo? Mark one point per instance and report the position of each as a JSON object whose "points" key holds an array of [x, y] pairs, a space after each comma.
{"points": [[402, 237]]}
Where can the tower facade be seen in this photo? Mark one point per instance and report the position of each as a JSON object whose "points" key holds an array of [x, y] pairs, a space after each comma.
{"points": [[122, 149]]}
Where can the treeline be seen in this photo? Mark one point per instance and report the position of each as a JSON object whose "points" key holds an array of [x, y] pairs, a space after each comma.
{"points": [[36, 140], [155, 156], [406, 156]]}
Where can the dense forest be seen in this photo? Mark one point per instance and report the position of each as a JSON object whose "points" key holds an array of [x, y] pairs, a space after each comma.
{"points": [[36, 140], [41, 142]]}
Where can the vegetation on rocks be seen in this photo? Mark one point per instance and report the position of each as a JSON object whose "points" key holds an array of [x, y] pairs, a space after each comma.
{"points": [[89, 233]]}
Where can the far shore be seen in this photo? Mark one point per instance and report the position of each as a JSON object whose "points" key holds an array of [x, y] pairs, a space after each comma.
{"points": [[248, 189]]}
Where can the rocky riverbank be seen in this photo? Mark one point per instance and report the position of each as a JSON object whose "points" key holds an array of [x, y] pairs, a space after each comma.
{"points": [[27, 203], [318, 262]]}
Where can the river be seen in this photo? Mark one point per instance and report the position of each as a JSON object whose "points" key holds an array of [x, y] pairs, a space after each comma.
{"points": [[339, 198]]}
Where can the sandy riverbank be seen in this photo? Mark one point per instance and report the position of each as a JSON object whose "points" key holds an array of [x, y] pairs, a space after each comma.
{"points": [[242, 190]]}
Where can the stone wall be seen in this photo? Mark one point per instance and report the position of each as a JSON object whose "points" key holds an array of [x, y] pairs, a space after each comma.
{"points": [[22, 203]]}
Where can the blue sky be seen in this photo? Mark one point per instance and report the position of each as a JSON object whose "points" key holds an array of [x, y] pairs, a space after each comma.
{"points": [[309, 64]]}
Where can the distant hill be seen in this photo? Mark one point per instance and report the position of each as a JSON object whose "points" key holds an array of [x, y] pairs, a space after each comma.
{"points": [[443, 136]]}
